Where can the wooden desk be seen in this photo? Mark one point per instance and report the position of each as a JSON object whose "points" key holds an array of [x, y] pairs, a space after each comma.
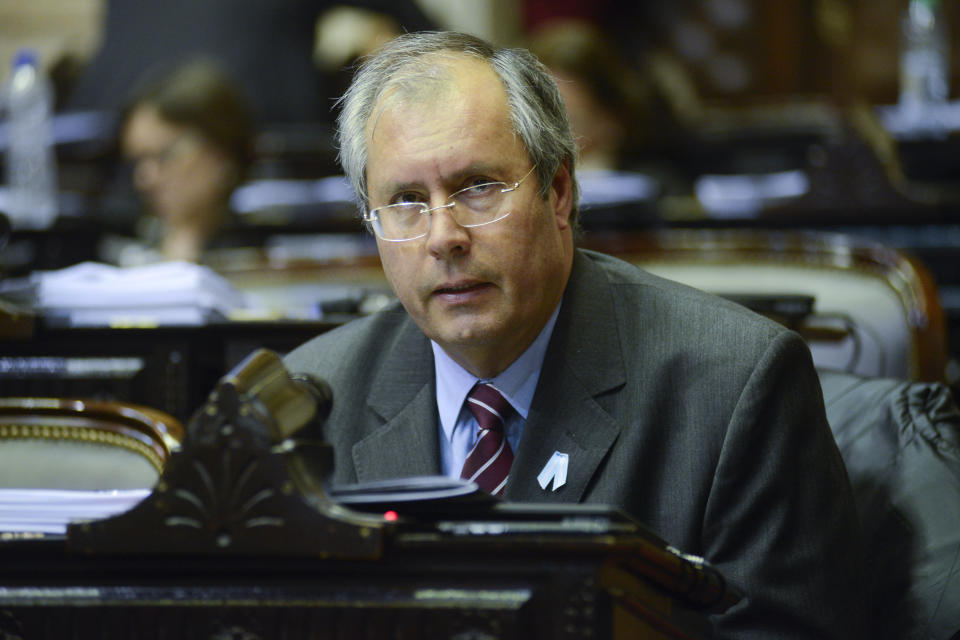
{"points": [[240, 539], [428, 585]]}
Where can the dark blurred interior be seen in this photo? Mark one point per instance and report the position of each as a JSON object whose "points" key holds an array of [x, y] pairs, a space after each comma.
{"points": [[705, 115]]}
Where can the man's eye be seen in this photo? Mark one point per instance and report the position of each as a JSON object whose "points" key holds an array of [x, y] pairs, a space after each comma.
{"points": [[482, 188], [407, 198]]}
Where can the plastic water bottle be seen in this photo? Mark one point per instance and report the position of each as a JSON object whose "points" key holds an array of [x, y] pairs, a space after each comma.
{"points": [[924, 64], [30, 163]]}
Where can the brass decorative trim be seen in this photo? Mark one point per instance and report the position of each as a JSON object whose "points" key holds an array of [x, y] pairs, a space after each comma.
{"points": [[11, 431]]}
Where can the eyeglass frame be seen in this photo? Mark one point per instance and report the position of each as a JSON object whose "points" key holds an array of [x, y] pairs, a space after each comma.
{"points": [[170, 151], [370, 216]]}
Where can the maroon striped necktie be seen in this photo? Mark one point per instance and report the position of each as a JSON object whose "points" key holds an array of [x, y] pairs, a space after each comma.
{"points": [[488, 463]]}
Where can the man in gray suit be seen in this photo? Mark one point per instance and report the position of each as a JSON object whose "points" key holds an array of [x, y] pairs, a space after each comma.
{"points": [[695, 416]]}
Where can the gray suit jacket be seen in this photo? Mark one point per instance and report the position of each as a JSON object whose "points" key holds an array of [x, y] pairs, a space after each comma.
{"points": [[697, 417]]}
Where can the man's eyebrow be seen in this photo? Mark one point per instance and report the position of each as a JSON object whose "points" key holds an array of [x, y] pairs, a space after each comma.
{"points": [[397, 187], [478, 168], [450, 179]]}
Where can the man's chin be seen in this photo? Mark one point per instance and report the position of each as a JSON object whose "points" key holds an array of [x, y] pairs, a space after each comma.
{"points": [[468, 335]]}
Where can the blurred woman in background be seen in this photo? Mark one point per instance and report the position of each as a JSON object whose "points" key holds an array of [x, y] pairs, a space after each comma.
{"points": [[189, 138], [607, 99]]}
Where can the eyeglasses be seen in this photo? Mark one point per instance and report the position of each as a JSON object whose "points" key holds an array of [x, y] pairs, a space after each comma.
{"points": [[474, 206], [180, 147]]}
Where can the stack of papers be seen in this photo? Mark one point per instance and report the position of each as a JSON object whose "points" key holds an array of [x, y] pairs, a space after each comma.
{"points": [[747, 195], [599, 188], [166, 293], [50, 510]]}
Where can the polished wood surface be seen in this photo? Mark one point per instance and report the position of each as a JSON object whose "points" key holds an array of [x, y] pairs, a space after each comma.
{"points": [[240, 539], [143, 430]]}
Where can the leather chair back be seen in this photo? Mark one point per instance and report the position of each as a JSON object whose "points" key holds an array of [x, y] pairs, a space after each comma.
{"points": [[54, 443], [900, 442], [863, 307]]}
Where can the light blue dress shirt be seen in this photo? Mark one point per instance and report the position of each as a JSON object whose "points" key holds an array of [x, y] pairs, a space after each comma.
{"points": [[458, 427]]}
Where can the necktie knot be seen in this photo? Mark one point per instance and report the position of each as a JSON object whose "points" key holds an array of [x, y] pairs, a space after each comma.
{"points": [[488, 406], [488, 463]]}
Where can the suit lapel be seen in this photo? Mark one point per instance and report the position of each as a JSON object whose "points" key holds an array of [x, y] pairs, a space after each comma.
{"points": [[584, 360], [407, 442]]}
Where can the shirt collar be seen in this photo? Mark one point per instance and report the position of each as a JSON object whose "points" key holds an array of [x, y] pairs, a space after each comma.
{"points": [[517, 383]]}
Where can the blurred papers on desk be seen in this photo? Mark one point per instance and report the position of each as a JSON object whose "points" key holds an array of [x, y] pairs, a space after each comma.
{"points": [[747, 195], [261, 195], [92, 294], [49, 511], [936, 120], [602, 188]]}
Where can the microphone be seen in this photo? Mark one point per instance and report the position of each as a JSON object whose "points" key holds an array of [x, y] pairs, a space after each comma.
{"points": [[283, 402], [320, 391]]}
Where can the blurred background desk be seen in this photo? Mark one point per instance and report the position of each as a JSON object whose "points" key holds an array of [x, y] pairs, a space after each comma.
{"points": [[168, 368]]}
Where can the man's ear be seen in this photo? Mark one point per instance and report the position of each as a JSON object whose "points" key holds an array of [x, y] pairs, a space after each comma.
{"points": [[561, 195]]}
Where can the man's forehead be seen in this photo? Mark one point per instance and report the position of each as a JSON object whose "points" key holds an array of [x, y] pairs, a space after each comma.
{"points": [[434, 81], [461, 129]]}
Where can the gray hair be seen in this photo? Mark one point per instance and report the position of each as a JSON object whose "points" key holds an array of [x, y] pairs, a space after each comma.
{"points": [[536, 108]]}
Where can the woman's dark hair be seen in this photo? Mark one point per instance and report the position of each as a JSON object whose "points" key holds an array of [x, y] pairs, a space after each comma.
{"points": [[199, 96]]}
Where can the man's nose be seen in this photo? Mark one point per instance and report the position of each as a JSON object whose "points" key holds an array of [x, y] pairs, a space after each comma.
{"points": [[445, 236]]}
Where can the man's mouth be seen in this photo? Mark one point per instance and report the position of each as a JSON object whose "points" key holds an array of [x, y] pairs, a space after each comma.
{"points": [[460, 288]]}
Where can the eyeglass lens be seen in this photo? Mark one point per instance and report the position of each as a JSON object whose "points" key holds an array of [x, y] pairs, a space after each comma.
{"points": [[470, 207]]}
